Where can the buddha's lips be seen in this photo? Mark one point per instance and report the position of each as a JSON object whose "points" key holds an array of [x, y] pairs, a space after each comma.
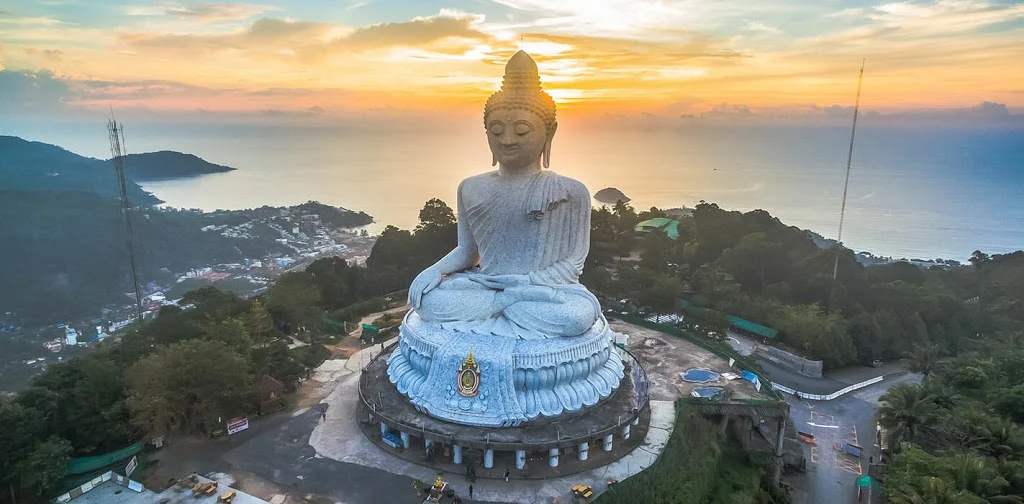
{"points": [[509, 150]]}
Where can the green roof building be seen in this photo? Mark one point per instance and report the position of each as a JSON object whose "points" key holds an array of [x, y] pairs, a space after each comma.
{"points": [[670, 226]]}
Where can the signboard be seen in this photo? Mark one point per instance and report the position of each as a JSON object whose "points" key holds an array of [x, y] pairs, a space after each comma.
{"points": [[132, 464], [236, 425], [863, 481]]}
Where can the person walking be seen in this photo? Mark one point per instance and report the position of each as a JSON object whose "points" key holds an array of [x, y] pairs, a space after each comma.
{"points": [[508, 472], [470, 491]]}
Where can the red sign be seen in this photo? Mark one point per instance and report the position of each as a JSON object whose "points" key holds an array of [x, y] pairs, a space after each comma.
{"points": [[236, 425]]}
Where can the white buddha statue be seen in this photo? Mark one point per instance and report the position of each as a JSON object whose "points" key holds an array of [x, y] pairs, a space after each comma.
{"points": [[501, 331], [523, 232]]}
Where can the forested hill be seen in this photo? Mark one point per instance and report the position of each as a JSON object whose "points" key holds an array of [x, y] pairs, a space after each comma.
{"points": [[64, 255], [37, 166], [168, 164]]}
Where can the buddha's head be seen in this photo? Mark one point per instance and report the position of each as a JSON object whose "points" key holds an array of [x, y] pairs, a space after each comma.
{"points": [[520, 119]]}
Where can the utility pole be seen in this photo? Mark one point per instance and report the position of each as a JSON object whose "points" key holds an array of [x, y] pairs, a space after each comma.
{"points": [[846, 185]]}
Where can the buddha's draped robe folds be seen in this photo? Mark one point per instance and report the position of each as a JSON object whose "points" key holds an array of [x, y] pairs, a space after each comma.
{"points": [[533, 235]]}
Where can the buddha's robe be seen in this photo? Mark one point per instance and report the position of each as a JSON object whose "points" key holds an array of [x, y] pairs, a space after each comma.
{"points": [[533, 234]]}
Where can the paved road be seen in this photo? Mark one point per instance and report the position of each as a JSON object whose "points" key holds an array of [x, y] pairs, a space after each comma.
{"points": [[831, 475], [277, 450]]}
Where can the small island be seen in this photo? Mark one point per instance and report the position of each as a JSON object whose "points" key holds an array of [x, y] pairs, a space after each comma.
{"points": [[611, 196]]}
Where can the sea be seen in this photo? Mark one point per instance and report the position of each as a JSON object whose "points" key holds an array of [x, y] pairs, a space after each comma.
{"points": [[914, 192]]}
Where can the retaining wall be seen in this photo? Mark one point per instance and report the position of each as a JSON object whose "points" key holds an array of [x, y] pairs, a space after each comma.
{"points": [[806, 367]]}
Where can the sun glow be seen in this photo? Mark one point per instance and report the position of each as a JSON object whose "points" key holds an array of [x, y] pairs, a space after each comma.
{"points": [[613, 56]]}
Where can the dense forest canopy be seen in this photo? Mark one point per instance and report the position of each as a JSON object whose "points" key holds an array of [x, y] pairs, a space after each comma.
{"points": [[754, 266]]}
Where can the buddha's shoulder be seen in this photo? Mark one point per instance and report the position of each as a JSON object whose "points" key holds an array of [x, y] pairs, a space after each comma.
{"points": [[575, 187], [477, 182]]}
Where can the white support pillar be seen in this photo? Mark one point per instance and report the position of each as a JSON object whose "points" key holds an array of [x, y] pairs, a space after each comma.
{"points": [[583, 450], [608, 440], [371, 417], [625, 431], [520, 459], [383, 428], [488, 458], [405, 439], [553, 457], [426, 444], [456, 454]]}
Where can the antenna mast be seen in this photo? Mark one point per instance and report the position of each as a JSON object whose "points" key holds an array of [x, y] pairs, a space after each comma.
{"points": [[846, 185], [115, 131]]}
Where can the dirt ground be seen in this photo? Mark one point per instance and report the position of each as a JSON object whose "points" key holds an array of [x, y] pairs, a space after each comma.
{"points": [[312, 391], [665, 356]]}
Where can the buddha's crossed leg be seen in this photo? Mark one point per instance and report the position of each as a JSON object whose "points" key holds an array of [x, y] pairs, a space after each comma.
{"points": [[547, 310]]}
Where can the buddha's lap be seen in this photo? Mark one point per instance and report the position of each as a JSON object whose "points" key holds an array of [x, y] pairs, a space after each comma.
{"points": [[571, 307]]}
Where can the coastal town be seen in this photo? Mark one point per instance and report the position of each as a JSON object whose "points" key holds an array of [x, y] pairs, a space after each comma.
{"points": [[300, 234]]}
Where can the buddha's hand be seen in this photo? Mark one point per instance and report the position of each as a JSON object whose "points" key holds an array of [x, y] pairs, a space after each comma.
{"points": [[425, 282]]}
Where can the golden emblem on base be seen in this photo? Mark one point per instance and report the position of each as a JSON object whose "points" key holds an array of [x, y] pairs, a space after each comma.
{"points": [[469, 377]]}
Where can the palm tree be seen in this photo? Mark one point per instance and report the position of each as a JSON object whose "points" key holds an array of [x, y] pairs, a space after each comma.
{"points": [[906, 409], [1003, 441], [932, 491], [923, 359], [974, 474]]}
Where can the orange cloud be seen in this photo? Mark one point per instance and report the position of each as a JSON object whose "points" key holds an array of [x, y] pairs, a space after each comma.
{"points": [[672, 58]]}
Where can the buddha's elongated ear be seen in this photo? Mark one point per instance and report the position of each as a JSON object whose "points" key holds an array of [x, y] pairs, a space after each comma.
{"points": [[547, 145], [494, 159]]}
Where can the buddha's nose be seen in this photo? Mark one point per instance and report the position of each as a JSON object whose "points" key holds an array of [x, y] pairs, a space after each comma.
{"points": [[508, 138]]}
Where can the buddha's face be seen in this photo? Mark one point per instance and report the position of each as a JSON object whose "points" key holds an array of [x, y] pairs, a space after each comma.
{"points": [[517, 137]]}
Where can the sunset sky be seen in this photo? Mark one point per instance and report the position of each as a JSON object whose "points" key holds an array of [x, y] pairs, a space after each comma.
{"points": [[672, 58]]}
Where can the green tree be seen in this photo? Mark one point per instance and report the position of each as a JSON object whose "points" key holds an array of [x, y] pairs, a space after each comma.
{"points": [[212, 302], [393, 249], [1010, 403], [932, 491], [294, 301], [435, 214], [45, 466], [978, 258], [21, 427], [906, 410], [714, 283], [755, 261], [258, 322], [277, 361], [231, 332], [661, 298], [923, 359], [818, 334], [184, 388]]}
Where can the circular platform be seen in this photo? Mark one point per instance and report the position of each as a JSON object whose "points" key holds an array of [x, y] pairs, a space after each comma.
{"points": [[512, 380], [386, 412]]}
